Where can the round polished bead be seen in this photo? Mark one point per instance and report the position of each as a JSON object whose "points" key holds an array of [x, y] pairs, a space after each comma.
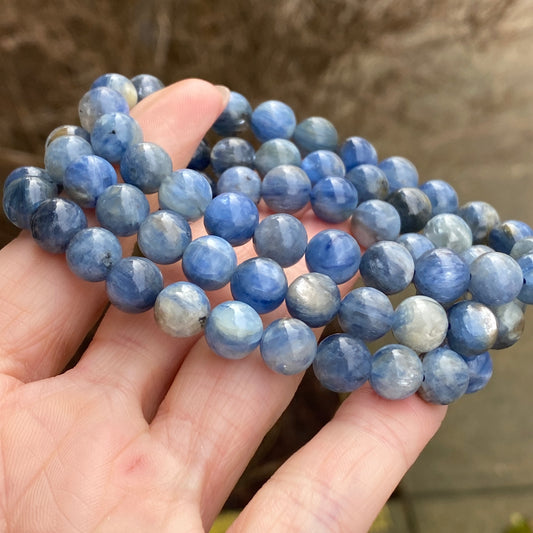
{"points": [[209, 261], [121, 209], [446, 376], [235, 118], [413, 206], [288, 346], [276, 152], [400, 172], [495, 279], [416, 243], [146, 84], [27, 172], [442, 275], [449, 231], [231, 152], [63, 151], [55, 222], [233, 329], [92, 253], [232, 216], [387, 266], [357, 151], [113, 134], [481, 217], [366, 313], [396, 372], [373, 221], [370, 182], [522, 247], [526, 265], [471, 254], [186, 192], [479, 371], [281, 237], [272, 120], [181, 309], [503, 237], [333, 199], [119, 83], [323, 164], [511, 321], [473, 328], [286, 189], [442, 196], [67, 130], [201, 157], [87, 177], [342, 363], [315, 133], [163, 237], [313, 298], [420, 323], [133, 284], [240, 179], [97, 102], [260, 282], [334, 253]]}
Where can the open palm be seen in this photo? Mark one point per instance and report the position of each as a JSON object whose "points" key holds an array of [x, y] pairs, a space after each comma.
{"points": [[150, 433]]}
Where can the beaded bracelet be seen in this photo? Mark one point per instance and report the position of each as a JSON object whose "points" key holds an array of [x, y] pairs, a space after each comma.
{"points": [[473, 274]]}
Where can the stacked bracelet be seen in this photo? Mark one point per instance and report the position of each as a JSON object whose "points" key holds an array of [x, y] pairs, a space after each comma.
{"points": [[473, 274]]}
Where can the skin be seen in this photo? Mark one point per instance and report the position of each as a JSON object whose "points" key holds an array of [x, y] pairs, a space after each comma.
{"points": [[150, 433]]}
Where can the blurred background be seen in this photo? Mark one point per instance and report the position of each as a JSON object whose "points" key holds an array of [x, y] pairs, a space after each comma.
{"points": [[447, 84]]}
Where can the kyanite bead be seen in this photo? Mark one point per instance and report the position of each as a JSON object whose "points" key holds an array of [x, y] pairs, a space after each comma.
{"points": [[119, 83], [235, 118], [146, 84], [55, 222], [357, 151], [209, 261], [233, 330], [315, 133], [260, 282], [231, 152], [27, 172], [313, 298], [273, 119], [276, 152], [322, 164], [121, 208], [366, 313], [473, 328], [471, 254], [526, 265], [240, 179], [133, 284], [387, 266], [87, 177], [232, 216], [163, 237], [281, 237], [420, 323], [145, 165], [446, 376], [370, 182], [495, 279], [481, 217], [186, 192], [92, 253], [333, 199], [479, 371], [201, 157], [413, 206], [442, 196], [63, 151], [286, 189], [416, 243], [396, 372], [342, 363], [511, 321], [334, 253], [67, 130], [503, 237], [23, 195], [522, 247], [113, 134], [448, 231], [400, 172], [288, 346], [181, 309], [442, 275], [97, 102], [373, 221]]}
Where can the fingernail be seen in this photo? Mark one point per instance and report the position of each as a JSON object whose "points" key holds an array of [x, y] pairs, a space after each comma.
{"points": [[225, 92]]}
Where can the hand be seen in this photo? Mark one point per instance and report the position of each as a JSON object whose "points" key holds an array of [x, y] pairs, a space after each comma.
{"points": [[150, 433]]}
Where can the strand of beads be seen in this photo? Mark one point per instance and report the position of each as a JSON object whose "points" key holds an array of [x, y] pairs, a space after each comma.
{"points": [[473, 274]]}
